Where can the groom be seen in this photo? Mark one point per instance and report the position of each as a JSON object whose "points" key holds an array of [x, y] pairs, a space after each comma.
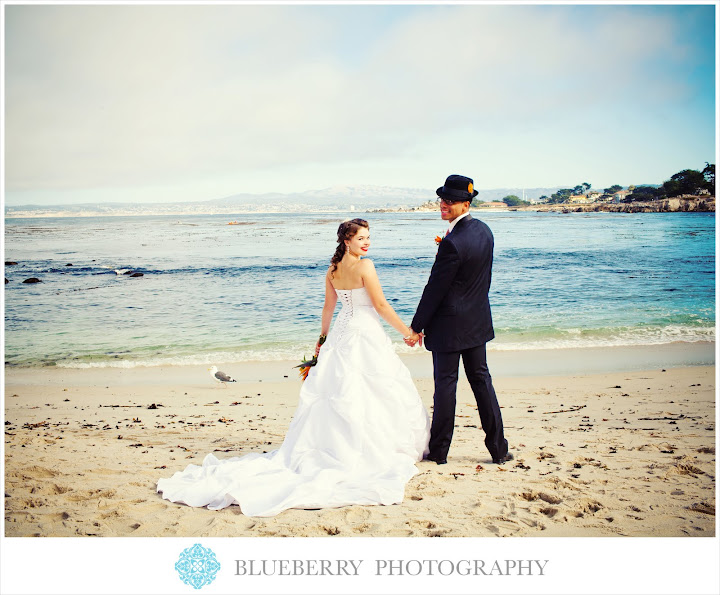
{"points": [[454, 317]]}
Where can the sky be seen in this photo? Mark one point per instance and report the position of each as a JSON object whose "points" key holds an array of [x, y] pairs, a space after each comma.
{"points": [[161, 103]]}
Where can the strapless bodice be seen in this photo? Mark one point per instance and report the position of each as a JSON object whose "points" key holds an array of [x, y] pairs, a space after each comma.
{"points": [[353, 298], [357, 307]]}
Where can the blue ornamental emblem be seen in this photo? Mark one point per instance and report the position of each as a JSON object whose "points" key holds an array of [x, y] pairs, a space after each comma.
{"points": [[197, 566]]}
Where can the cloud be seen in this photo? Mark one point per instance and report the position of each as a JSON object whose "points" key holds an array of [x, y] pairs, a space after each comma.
{"points": [[147, 95]]}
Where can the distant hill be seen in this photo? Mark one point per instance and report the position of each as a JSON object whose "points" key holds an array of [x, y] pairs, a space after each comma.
{"points": [[332, 199], [337, 196]]}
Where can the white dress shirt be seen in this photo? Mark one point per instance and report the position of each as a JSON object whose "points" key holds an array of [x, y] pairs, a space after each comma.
{"points": [[452, 225]]}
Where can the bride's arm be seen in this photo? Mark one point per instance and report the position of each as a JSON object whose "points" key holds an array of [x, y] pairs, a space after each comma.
{"points": [[328, 309], [381, 305]]}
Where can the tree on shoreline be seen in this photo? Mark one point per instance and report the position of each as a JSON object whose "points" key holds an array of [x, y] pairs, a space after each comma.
{"points": [[515, 201], [686, 182], [560, 196], [563, 195], [645, 194], [709, 175]]}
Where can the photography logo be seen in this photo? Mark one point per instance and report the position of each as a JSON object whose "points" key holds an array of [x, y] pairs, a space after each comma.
{"points": [[197, 566]]}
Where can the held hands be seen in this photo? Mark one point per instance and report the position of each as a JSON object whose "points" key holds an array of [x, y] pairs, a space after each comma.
{"points": [[413, 338]]}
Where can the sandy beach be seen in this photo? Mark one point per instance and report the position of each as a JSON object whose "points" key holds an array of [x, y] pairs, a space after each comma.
{"points": [[626, 453]]}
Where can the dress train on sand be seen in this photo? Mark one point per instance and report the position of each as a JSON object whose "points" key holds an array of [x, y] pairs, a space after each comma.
{"points": [[358, 430]]}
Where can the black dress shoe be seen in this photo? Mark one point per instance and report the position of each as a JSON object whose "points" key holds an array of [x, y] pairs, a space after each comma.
{"points": [[508, 457], [437, 460]]}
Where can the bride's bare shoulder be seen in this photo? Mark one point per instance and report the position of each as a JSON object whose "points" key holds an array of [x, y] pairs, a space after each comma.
{"points": [[366, 266]]}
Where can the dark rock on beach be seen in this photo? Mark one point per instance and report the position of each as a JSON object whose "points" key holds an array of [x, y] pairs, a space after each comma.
{"points": [[136, 275], [32, 280]]}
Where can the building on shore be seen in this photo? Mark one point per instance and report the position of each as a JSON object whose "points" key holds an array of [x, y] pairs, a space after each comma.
{"points": [[579, 199]]}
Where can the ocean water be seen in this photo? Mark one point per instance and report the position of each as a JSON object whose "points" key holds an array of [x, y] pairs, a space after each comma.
{"points": [[213, 292]]}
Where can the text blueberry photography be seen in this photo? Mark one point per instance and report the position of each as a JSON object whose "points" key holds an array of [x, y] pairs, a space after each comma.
{"points": [[414, 567], [197, 566]]}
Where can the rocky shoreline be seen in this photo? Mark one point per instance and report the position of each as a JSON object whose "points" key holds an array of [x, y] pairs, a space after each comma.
{"points": [[685, 204], [668, 205]]}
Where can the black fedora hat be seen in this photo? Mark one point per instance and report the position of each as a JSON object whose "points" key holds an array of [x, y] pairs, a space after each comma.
{"points": [[457, 189]]}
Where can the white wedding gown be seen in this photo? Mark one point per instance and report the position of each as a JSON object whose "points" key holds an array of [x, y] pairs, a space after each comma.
{"points": [[357, 432]]}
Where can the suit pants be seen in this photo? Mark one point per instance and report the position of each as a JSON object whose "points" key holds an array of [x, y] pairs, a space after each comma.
{"points": [[445, 371]]}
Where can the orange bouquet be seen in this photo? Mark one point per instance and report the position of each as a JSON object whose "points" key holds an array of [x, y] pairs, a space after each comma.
{"points": [[306, 364]]}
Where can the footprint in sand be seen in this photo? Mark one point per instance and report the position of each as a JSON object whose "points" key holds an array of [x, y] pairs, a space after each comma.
{"points": [[34, 472], [356, 514], [60, 489], [508, 509], [91, 495], [686, 469], [421, 524], [590, 507], [356, 517], [549, 498], [533, 524]]}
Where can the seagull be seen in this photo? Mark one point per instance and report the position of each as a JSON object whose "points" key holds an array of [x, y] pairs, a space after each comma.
{"points": [[220, 377]]}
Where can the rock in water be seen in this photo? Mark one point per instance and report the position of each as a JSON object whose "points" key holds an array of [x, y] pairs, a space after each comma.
{"points": [[32, 280], [136, 275], [9, 263]]}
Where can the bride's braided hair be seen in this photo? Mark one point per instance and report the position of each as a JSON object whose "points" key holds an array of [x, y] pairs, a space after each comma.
{"points": [[346, 231]]}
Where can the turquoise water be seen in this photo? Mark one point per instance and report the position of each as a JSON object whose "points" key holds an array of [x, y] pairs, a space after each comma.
{"points": [[212, 292]]}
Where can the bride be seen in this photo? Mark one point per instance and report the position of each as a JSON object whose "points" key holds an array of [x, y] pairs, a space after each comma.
{"points": [[359, 426]]}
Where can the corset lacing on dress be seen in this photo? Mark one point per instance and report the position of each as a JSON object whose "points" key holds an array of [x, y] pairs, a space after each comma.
{"points": [[346, 313], [354, 301]]}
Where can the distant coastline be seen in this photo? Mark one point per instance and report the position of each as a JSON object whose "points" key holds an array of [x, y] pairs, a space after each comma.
{"points": [[688, 204], [668, 205]]}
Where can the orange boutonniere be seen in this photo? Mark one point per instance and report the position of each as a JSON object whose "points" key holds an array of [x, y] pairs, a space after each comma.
{"points": [[438, 239]]}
